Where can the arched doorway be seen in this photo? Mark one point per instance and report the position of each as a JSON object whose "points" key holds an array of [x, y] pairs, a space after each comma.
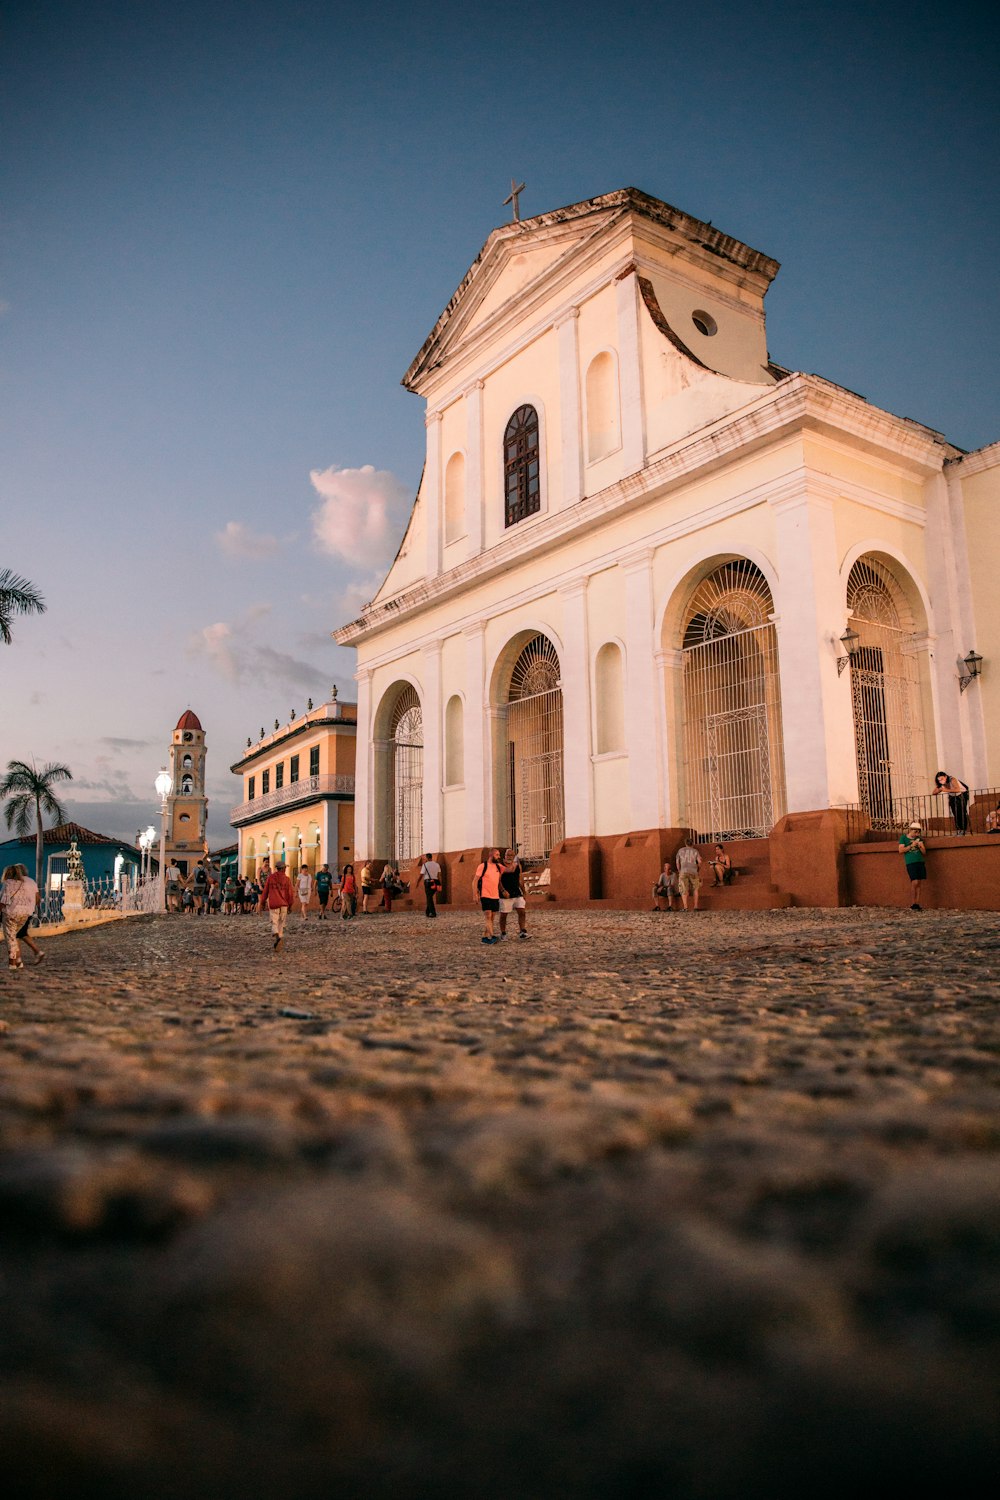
{"points": [[399, 774], [534, 751], [733, 749], [885, 691]]}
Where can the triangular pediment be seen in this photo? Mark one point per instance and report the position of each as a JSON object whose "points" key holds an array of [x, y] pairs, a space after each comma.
{"points": [[520, 260], [516, 260]]}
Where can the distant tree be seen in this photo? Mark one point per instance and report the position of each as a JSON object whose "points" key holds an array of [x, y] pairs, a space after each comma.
{"points": [[29, 790], [17, 597]]}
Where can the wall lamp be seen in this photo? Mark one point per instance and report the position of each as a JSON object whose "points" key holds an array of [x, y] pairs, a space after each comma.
{"points": [[973, 665], [850, 640]]}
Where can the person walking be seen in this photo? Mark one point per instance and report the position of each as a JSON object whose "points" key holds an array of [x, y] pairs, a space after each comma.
{"points": [[958, 798], [348, 893], [173, 876], [486, 887], [324, 885], [914, 852], [19, 900], [688, 872], [303, 889], [512, 894], [277, 898], [430, 874], [199, 888], [368, 888]]}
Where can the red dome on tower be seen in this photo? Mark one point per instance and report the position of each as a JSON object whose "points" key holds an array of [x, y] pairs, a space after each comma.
{"points": [[188, 720]]}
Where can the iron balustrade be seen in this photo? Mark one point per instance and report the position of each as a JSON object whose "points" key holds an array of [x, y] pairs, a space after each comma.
{"points": [[936, 816], [288, 796]]}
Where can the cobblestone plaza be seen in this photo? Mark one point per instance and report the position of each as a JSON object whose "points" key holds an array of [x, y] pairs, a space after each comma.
{"points": [[700, 1205]]}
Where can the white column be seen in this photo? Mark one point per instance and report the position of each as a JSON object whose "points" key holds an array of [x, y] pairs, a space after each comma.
{"points": [[630, 373], [432, 493], [640, 691], [669, 666], [330, 841], [364, 752], [569, 407], [478, 817], [474, 472], [959, 716], [432, 711], [816, 711], [574, 670]]}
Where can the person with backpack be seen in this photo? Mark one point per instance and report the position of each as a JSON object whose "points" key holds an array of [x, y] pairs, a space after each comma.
{"points": [[688, 862], [486, 888], [199, 887], [324, 885], [277, 898], [512, 894]]}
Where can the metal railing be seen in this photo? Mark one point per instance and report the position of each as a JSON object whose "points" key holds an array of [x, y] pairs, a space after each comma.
{"points": [[287, 796], [942, 816]]}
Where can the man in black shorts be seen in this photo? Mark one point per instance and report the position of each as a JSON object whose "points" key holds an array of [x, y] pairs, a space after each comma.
{"points": [[512, 894]]}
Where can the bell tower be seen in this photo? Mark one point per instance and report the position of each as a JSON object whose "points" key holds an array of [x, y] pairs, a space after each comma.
{"points": [[187, 805]]}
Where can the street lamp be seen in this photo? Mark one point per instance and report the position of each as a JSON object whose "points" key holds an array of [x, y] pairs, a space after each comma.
{"points": [[163, 784], [146, 842], [851, 642]]}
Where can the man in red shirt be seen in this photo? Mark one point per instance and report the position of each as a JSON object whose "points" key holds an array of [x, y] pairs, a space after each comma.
{"points": [[277, 895]]}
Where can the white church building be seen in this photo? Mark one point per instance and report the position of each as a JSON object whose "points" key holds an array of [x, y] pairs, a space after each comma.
{"points": [[653, 581]]}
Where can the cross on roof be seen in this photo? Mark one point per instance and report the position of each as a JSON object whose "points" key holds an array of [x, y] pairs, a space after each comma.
{"points": [[515, 193]]}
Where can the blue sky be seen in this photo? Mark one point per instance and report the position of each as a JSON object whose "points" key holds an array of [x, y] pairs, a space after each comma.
{"points": [[228, 228]]}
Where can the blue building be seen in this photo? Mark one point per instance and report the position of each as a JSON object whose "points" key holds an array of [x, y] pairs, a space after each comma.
{"points": [[106, 861]]}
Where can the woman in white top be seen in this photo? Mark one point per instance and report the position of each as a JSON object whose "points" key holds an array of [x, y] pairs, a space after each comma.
{"points": [[19, 896], [303, 889]]}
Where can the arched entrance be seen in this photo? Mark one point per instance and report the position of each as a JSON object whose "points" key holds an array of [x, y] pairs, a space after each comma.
{"points": [[534, 751], [399, 774], [885, 691], [733, 749]]}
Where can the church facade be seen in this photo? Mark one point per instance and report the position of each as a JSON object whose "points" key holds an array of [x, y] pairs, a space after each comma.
{"points": [[653, 581]]}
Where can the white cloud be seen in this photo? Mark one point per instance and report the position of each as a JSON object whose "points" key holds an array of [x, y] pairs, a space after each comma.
{"points": [[244, 545], [230, 649], [361, 516]]}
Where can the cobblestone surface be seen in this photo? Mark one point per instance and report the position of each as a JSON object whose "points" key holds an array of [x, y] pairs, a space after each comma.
{"points": [[704, 1205]]}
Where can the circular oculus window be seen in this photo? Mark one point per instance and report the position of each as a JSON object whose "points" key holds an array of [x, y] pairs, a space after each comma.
{"points": [[704, 322]]}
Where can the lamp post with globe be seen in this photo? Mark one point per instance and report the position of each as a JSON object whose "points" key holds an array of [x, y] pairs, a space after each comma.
{"points": [[163, 784]]}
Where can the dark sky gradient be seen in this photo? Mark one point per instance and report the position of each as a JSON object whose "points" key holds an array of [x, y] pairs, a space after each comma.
{"points": [[228, 227]]}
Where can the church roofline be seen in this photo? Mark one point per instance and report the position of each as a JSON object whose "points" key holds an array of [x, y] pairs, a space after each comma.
{"points": [[798, 401], [624, 200]]}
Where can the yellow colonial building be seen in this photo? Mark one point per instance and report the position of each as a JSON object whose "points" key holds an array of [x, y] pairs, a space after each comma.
{"points": [[298, 792], [653, 580]]}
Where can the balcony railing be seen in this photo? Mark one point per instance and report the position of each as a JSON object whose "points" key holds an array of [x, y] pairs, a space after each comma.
{"points": [[937, 816], [295, 792]]}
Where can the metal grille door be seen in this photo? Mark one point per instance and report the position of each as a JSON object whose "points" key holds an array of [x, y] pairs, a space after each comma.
{"points": [[734, 762], [535, 751], [885, 691], [407, 777]]}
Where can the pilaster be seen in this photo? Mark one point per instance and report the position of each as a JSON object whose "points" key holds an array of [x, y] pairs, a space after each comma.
{"points": [[477, 782], [474, 470], [364, 813], [433, 493], [574, 665], [641, 696], [630, 373], [816, 710], [569, 406], [432, 714]]}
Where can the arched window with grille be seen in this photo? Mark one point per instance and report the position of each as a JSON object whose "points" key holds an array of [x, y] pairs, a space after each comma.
{"points": [[534, 737], [521, 466], [885, 691], [407, 730], [733, 748]]}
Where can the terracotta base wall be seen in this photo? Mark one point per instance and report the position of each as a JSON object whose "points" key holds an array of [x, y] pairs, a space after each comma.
{"points": [[805, 862], [963, 874]]}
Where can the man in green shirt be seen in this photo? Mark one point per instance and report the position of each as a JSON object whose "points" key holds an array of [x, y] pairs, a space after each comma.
{"points": [[911, 847], [324, 885]]}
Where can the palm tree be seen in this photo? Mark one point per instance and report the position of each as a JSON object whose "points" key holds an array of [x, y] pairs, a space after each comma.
{"points": [[17, 597], [27, 788]]}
